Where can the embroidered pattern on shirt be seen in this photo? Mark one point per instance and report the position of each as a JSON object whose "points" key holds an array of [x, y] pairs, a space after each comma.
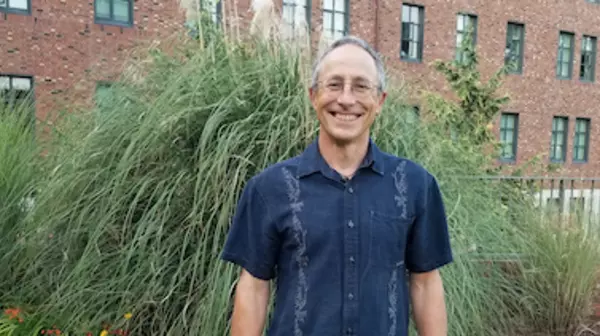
{"points": [[401, 200], [401, 188], [393, 301], [293, 192]]}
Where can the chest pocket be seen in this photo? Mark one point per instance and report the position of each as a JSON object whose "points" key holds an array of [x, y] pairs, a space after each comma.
{"points": [[387, 239]]}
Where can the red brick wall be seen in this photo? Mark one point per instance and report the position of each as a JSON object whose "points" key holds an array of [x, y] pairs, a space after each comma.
{"points": [[59, 42], [66, 52], [536, 94]]}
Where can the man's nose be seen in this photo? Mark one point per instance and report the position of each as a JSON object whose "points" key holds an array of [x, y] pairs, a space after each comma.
{"points": [[347, 97]]}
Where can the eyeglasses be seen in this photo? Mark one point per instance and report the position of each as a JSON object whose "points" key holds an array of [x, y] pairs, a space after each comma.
{"points": [[359, 88]]}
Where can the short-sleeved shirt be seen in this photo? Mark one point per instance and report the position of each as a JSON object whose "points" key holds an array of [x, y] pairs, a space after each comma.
{"points": [[340, 249]]}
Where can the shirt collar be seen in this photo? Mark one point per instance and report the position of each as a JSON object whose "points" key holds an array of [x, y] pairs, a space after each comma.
{"points": [[311, 160]]}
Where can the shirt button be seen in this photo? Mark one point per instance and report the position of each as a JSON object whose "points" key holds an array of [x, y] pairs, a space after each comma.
{"points": [[349, 331], [350, 190], [350, 296], [352, 259], [350, 224]]}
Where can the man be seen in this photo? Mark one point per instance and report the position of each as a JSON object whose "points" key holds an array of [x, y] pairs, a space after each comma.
{"points": [[341, 225]]}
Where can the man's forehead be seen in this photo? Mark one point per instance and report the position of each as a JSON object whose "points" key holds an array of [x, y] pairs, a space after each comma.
{"points": [[349, 59]]}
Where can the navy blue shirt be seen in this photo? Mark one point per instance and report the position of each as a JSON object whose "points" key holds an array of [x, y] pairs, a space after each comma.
{"points": [[340, 249]]}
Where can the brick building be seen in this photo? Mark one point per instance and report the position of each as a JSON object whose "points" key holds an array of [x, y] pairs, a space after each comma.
{"points": [[62, 49], [553, 90], [553, 93]]}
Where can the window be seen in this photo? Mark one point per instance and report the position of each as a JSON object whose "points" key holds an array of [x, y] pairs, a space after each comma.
{"points": [[411, 45], [466, 25], [515, 35], [414, 114], [16, 90], [15, 6], [114, 12], [335, 18], [582, 140], [102, 93], [16, 95], [564, 64], [588, 58], [296, 16], [213, 8], [558, 144], [509, 124]]}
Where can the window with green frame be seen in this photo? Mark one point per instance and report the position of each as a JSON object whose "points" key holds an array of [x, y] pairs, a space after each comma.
{"points": [[16, 90], [509, 127], [558, 142], [515, 42], [465, 24], [588, 59], [296, 16], [214, 9], [102, 93], [335, 18], [17, 96], [564, 62], [581, 142], [15, 6], [114, 12], [411, 43]]}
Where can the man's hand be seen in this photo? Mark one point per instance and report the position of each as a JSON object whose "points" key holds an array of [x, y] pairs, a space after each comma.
{"points": [[429, 308], [250, 306]]}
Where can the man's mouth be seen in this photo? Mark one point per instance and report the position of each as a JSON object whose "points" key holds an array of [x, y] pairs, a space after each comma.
{"points": [[345, 116]]}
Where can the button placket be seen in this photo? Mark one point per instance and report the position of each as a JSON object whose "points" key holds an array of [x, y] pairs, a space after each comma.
{"points": [[350, 266]]}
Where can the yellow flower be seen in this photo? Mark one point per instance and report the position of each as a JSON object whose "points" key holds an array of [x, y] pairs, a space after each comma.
{"points": [[104, 333], [127, 316]]}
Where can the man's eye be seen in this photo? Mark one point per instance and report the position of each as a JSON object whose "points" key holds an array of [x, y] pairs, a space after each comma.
{"points": [[334, 85]]}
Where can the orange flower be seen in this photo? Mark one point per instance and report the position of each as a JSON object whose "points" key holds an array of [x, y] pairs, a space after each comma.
{"points": [[12, 313], [104, 333], [127, 316]]}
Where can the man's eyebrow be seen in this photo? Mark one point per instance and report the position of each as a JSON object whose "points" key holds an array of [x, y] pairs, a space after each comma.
{"points": [[357, 78]]}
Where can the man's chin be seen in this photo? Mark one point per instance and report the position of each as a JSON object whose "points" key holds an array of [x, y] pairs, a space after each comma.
{"points": [[344, 137]]}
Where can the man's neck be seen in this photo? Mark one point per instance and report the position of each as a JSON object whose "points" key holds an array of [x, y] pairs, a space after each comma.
{"points": [[345, 158]]}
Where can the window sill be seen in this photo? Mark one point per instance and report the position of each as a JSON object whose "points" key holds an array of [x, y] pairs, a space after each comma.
{"points": [[5, 11], [105, 22], [411, 60], [507, 161]]}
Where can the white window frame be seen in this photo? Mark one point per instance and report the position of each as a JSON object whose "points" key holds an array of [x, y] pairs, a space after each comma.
{"points": [[295, 17], [335, 18]]}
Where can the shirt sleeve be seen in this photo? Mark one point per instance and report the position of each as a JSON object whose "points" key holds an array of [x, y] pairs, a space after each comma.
{"points": [[252, 241], [428, 245]]}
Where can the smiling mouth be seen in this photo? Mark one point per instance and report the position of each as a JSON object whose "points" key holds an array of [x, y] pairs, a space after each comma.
{"points": [[345, 116]]}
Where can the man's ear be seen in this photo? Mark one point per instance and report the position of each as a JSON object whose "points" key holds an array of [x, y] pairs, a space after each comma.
{"points": [[312, 95], [382, 98]]}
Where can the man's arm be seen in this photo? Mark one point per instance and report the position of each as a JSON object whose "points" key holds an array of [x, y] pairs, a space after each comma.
{"points": [[253, 244], [429, 307], [250, 306]]}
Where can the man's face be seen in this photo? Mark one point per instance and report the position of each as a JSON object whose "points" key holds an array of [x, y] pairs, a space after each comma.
{"points": [[346, 98]]}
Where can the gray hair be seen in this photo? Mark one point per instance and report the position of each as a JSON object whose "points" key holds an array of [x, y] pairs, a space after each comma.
{"points": [[357, 42]]}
